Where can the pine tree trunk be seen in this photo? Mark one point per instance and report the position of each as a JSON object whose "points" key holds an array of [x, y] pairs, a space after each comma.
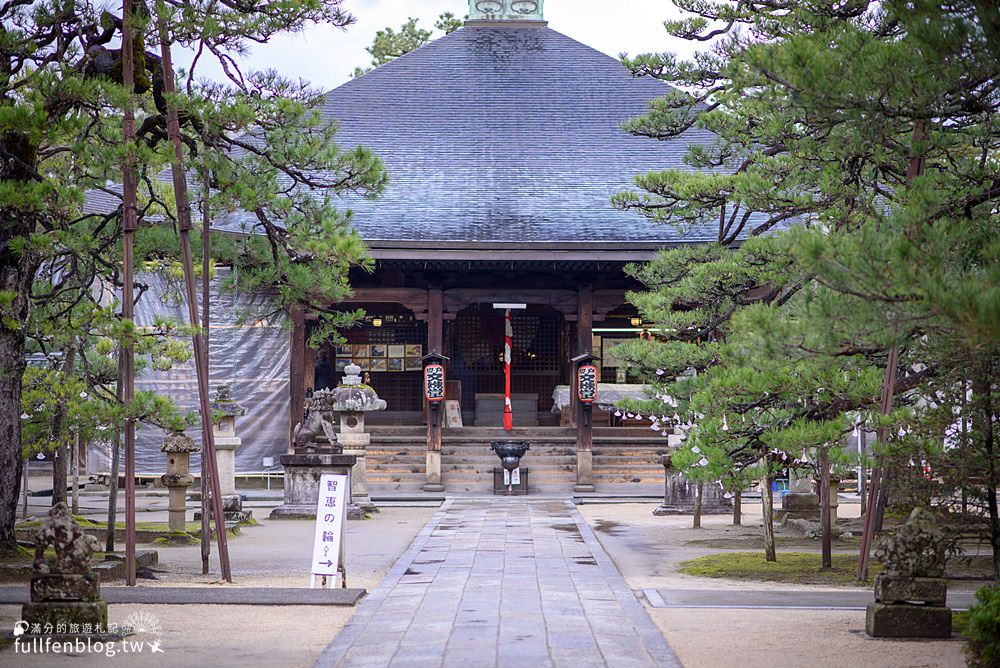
{"points": [[59, 472], [824, 507], [767, 496], [74, 465], [982, 397], [60, 454], [738, 507], [11, 370], [17, 270], [15, 279], [698, 489]]}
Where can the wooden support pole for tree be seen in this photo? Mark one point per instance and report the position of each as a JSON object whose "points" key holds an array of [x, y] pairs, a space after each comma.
{"points": [[863, 470], [116, 447], [64, 452], [200, 344], [914, 169], [206, 319], [130, 220], [888, 390]]}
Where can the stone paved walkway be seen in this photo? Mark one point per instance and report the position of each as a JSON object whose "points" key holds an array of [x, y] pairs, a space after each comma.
{"points": [[502, 582]]}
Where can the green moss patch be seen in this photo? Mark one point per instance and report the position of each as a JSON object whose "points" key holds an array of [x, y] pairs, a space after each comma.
{"points": [[791, 567], [176, 539], [960, 623], [15, 553], [756, 542]]}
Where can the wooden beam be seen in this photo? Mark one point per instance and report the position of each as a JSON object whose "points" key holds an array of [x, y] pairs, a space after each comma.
{"points": [[309, 369], [414, 299], [562, 300]]}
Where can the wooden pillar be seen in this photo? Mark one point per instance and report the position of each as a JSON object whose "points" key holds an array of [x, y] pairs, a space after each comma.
{"points": [[297, 387], [309, 370], [584, 423], [435, 412]]}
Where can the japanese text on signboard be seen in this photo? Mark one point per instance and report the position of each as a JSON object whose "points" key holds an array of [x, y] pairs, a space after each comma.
{"points": [[330, 516]]}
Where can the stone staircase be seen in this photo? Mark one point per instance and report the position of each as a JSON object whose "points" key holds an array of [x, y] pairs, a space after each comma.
{"points": [[626, 460]]}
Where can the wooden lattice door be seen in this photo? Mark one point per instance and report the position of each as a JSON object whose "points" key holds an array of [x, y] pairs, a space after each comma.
{"points": [[476, 339]]}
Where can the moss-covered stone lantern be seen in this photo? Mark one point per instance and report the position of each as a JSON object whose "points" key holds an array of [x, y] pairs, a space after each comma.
{"points": [[351, 400], [224, 413], [178, 478]]}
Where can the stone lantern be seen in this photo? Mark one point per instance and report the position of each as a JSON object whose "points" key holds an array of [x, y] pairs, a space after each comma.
{"points": [[224, 413], [178, 477], [351, 400]]}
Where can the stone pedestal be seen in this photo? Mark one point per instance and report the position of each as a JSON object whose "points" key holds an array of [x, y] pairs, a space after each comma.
{"points": [[433, 472], [302, 477], [834, 500], [679, 494], [66, 599], [584, 471], [177, 500], [891, 589], [63, 589], [907, 621], [355, 442], [911, 594], [800, 483], [801, 504]]}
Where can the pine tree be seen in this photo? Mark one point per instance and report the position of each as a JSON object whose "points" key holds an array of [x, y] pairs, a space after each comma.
{"points": [[257, 136], [872, 127]]}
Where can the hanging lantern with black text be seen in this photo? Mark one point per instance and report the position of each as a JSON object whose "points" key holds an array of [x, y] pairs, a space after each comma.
{"points": [[587, 384], [434, 385]]}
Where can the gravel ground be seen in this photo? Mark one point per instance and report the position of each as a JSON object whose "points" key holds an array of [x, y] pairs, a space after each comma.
{"points": [[647, 549], [274, 554], [715, 638]]}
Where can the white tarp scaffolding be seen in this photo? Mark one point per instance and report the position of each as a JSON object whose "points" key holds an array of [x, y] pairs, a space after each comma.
{"points": [[251, 357]]}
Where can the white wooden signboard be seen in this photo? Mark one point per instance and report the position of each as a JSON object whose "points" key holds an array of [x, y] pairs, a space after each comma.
{"points": [[331, 513]]}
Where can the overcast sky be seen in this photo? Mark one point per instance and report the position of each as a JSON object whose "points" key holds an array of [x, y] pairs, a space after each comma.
{"points": [[325, 57]]}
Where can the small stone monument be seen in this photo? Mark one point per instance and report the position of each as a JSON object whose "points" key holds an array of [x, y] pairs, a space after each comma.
{"points": [[800, 500], [911, 593], [64, 590], [178, 478], [351, 400], [316, 452], [224, 413], [679, 494]]}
